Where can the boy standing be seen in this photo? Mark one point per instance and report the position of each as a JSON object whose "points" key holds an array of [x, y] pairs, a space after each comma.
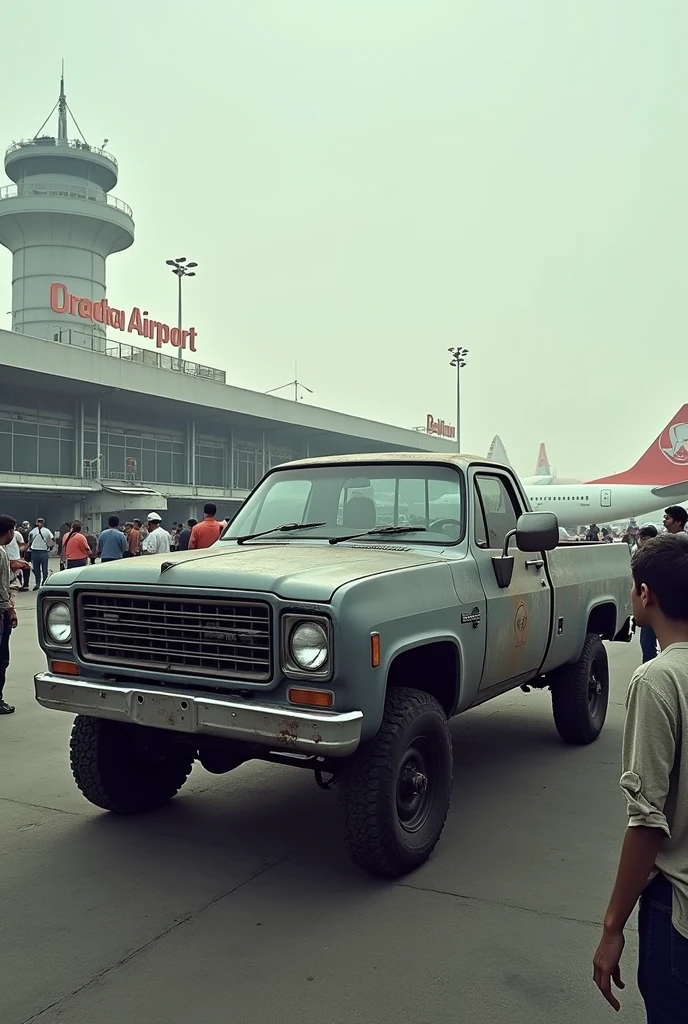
{"points": [[654, 858]]}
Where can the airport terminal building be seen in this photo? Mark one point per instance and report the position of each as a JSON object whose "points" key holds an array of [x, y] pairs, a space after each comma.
{"points": [[85, 433], [104, 410]]}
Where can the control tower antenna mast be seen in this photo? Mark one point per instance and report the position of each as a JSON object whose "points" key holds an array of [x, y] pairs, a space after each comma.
{"points": [[62, 110]]}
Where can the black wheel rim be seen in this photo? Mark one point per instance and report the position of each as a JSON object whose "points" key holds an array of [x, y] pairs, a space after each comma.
{"points": [[595, 690], [416, 784]]}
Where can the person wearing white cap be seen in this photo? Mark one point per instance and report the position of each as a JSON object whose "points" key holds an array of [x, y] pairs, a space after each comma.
{"points": [[158, 541]]}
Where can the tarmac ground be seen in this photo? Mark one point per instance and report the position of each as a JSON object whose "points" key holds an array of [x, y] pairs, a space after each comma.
{"points": [[237, 901]]}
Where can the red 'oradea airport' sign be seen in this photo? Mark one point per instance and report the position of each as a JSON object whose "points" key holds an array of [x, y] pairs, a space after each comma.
{"points": [[138, 322], [439, 427]]}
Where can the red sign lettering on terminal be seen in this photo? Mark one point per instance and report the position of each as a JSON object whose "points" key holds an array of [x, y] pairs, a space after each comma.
{"points": [[138, 322], [439, 427]]}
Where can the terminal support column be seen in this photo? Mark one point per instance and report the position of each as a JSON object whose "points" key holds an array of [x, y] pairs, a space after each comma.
{"points": [[193, 453], [99, 461], [230, 482], [82, 415]]}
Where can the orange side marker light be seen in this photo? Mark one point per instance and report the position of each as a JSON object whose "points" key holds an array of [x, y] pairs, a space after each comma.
{"points": [[314, 698], [375, 650], [64, 668]]}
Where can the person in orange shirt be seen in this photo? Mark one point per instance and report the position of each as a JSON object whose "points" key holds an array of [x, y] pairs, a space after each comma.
{"points": [[134, 539], [76, 551], [205, 533]]}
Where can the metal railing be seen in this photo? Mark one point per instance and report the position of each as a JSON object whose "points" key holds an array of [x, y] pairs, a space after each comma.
{"points": [[134, 354], [151, 357], [50, 140], [64, 189]]}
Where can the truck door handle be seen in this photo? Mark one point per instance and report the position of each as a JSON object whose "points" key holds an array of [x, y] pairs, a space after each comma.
{"points": [[538, 563]]}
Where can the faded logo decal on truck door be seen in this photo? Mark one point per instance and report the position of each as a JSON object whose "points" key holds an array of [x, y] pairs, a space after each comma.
{"points": [[521, 625]]}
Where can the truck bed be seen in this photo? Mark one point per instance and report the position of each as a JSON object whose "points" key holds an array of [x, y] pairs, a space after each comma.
{"points": [[586, 577]]}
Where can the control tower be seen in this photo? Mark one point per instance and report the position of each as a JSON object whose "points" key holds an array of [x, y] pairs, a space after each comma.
{"points": [[60, 223]]}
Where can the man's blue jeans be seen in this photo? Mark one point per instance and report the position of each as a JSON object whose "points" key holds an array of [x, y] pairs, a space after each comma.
{"points": [[648, 643], [663, 963], [39, 560]]}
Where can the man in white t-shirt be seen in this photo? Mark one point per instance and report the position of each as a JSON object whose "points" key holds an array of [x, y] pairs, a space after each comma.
{"points": [[41, 543], [17, 563], [157, 541], [14, 547]]}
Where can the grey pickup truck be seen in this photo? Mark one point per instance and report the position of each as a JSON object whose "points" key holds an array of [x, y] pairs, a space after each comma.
{"points": [[352, 607]]}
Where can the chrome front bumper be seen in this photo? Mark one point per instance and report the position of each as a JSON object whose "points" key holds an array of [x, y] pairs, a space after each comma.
{"points": [[320, 733]]}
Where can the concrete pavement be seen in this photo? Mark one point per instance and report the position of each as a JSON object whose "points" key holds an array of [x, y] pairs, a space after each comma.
{"points": [[237, 902]]}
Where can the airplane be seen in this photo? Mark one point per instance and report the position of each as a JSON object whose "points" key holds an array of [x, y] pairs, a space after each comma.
{"points": [[658, 479]]}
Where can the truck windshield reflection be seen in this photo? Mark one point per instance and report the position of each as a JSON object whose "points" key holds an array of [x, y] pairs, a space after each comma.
{"points": [[346, 498]]}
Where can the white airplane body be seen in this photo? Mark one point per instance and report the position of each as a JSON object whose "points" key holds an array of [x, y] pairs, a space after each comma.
{"points": [[581, 504], [658, 479]]}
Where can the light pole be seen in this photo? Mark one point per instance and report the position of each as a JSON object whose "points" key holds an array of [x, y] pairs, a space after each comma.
{"points": [[459, 361], [182, 269]]}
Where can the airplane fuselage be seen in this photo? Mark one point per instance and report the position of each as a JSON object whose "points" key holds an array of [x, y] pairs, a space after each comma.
{"points": [[582, 504]]}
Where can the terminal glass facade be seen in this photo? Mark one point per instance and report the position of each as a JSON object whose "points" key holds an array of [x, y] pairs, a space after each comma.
{"points": [[132, 452], [58, 436], [211, 462], [36, 440]]}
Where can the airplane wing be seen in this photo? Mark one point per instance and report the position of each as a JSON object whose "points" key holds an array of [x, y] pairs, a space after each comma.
{"points": [[678, 492]]}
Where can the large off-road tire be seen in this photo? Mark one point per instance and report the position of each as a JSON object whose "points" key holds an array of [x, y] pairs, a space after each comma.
{"points": [[580, 694], [395, 790], [126, 768]]}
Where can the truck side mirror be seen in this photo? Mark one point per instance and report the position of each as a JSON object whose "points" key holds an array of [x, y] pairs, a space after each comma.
{"points": [[537, 531]]}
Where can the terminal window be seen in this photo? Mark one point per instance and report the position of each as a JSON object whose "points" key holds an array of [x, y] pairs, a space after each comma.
{"points": [[36, 442], [139, 452]]}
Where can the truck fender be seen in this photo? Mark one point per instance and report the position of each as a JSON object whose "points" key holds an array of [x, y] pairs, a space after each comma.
{"points": [[438, 672], [600, 617]]}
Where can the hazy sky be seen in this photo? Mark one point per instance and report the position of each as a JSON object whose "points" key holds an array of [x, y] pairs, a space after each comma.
{"points": [[366, 182]]}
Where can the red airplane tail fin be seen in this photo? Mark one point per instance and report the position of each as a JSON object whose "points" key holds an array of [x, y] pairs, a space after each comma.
{"points": [[665, 461]]}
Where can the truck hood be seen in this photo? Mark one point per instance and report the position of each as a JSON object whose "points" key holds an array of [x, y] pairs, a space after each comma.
{"points": [[296, 571]]}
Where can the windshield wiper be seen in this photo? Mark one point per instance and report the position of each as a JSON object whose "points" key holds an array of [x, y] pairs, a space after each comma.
{"points": [[285, 528], [380, 529]]}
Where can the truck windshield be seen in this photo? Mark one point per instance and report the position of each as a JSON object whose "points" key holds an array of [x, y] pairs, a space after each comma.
{"points": [[347, 498]]}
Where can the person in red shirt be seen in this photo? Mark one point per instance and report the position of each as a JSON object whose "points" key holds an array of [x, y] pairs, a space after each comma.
{"points": [[205, 533], [76, 551]]}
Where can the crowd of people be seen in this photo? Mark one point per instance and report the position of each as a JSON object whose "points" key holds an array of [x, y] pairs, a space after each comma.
{"points": [[30, 548], [24, 548]]}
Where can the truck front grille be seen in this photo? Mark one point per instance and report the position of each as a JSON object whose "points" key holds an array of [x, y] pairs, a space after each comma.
{"points": [[199, 636]]}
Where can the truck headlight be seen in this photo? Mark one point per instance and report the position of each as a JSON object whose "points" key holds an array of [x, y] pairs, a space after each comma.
{"points": [[58, 623], [309, 646]]}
